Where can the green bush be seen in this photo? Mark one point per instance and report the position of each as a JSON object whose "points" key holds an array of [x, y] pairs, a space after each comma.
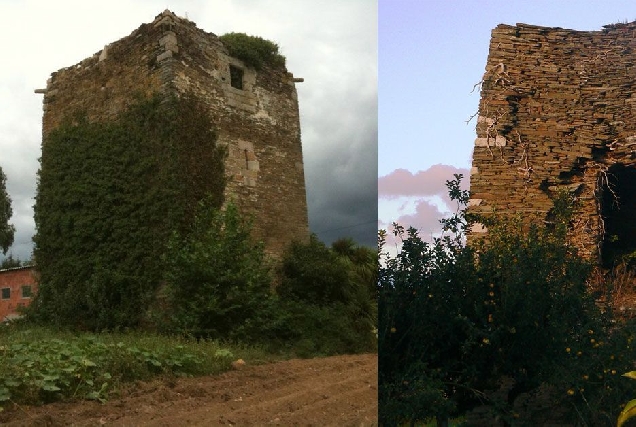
{"points": [[313, 273], [485, 324], [327, 297], [219, 286], [254, 51], [218, 281]]}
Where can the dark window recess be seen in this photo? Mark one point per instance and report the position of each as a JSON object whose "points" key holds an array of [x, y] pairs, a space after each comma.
{"points": [[6, 293], [618, 208], [26, 291], [236, 77]]}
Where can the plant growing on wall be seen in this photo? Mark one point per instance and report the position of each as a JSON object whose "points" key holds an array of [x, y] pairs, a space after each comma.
{"points": [[254, 51], [109, 197]]}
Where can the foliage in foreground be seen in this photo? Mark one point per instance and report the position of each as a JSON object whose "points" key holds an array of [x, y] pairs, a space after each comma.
{"points": [[39, 365], [220, 286], [217, 279], [326, 297], [499, 323], [629, 411]]}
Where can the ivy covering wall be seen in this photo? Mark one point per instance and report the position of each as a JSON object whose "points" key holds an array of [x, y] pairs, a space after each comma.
{"points": [[109, 197]]}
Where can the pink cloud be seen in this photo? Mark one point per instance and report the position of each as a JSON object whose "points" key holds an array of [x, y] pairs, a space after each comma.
{"points": [[425, 220], [420, 185], [429, 182]]}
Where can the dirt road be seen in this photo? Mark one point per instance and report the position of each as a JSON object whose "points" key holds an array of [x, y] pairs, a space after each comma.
{"points": [[333, 391]]}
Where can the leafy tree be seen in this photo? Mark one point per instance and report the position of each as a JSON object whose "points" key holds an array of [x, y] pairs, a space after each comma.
{"points": [[327, 297], [10, 262], [362, 260], [6, 230]]}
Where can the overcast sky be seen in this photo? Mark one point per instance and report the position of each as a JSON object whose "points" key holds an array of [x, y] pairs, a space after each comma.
{"points": [[431, 55], [332, 44]]}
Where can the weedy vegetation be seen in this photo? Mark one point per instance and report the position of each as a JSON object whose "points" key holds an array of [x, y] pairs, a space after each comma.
{"points": [[40, 365], [504, 331], [254, 51]]}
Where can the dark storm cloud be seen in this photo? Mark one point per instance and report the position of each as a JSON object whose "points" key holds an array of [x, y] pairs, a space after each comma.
{"points": [[341, 164], [339, 119], [342, 192]]}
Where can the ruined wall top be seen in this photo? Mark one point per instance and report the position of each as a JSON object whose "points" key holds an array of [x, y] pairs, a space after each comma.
{"points": [[557, 112]]}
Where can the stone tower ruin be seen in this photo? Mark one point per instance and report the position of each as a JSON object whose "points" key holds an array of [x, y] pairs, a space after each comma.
{"points": [[255, 112], [558, 112]]}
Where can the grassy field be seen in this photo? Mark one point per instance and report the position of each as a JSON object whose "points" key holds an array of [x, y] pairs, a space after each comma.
{"points": [[39, 365]]}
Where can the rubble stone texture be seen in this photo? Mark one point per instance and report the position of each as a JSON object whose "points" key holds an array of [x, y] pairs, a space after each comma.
{"points": [[259, 122], [557, 111]]}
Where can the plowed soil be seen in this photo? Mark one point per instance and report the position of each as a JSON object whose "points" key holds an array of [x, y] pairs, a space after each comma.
{"points": [[332, 391]]}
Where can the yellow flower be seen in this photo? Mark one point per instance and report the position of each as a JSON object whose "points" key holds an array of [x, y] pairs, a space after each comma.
{"points": [[567, 349], [486, 341], [592, 340], [393, 330], [585, 377], [570, 392], [613, 372]]}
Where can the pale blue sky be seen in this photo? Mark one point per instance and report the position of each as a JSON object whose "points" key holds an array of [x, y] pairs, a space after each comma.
{"points": [[431, 54]]}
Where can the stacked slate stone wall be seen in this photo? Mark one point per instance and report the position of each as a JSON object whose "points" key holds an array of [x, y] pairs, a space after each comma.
{"points": [[557, 112]]}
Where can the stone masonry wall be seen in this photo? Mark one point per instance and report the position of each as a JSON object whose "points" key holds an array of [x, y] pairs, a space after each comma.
{"points": [[259, 123], [557, 110]]}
